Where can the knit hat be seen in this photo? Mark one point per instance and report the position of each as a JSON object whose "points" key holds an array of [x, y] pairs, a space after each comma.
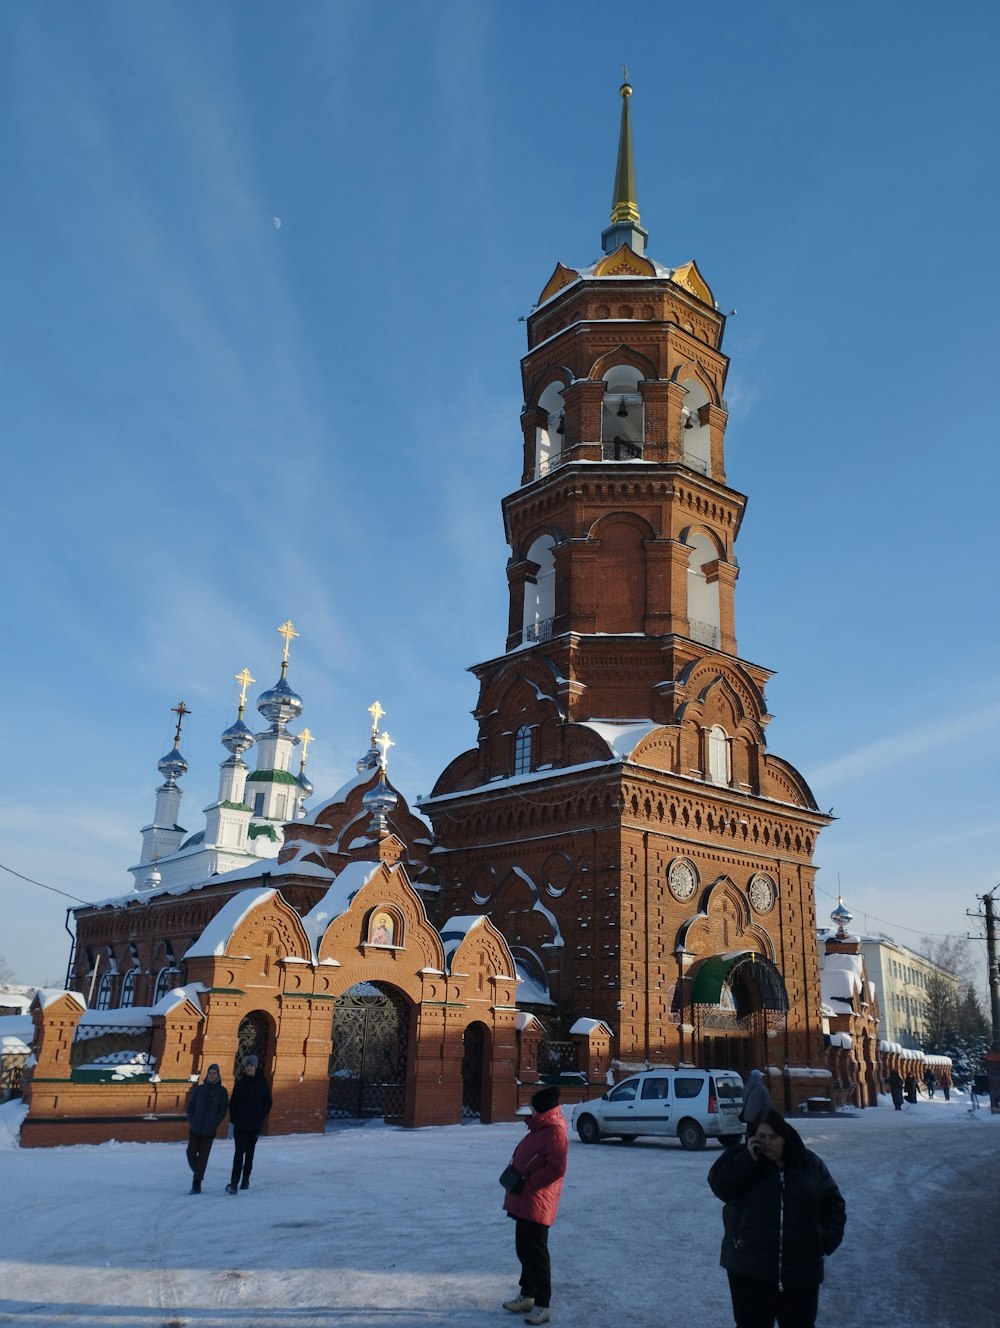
{"points": [[250, 1061], [545, 1099]]}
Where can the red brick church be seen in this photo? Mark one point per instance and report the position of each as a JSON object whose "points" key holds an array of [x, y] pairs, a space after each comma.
{"points": [[618, 871]]}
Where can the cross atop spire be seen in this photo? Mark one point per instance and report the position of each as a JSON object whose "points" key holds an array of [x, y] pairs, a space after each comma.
{"points": [[305, 738], [180, 710], [376, 712], [385, 742], [625, 228], [244, 680], [289, 633]]}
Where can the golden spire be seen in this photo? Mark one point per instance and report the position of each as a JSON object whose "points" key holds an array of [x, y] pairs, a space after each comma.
{"points": [[180, 710], [244, 680], [376, 712], [624, 205]]}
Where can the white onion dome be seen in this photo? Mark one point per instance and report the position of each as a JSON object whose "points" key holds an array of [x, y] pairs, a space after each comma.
{"points": [[172, 766], [279, 703], [237, 738]]}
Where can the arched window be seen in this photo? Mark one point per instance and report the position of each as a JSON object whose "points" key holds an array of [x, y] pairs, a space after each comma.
{"points": [[104, 993], [522, 750], [695, 437], [166, 980], [703, 595], [549, 437], [128, 989], [718, 755], [540, 594], [622, 425]]}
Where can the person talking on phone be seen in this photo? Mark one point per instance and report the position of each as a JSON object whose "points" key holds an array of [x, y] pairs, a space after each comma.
{"points": [[783, 1215]]}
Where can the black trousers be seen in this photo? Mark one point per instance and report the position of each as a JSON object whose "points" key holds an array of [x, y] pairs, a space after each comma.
{"points": [[245, 1142], [198, 1149], [531, 1241], [759, 1304]]}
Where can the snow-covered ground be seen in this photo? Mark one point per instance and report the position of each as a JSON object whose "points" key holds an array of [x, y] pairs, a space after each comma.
{"points": [[371, 1226]]}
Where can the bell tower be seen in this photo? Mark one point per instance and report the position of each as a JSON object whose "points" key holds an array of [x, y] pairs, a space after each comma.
{"points": [[621, 819]]}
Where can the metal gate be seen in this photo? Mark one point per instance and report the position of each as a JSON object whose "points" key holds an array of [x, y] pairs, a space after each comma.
{"points": [[371, 1033]]}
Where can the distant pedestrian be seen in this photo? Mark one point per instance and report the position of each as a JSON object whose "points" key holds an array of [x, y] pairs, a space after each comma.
{"points": [[896, 1089], [910, 1087], [540, 1157], [248, 1108], [946, 1089], [206, 1109], [783, 1214], [930, 1081], [756, 1099]]}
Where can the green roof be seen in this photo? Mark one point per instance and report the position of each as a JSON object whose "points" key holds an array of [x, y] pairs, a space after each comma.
{"points": [[271, 777], [236, 806], [257, 830]]}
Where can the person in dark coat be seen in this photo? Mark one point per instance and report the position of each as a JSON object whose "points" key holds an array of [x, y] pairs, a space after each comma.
{"points": [[783, 1214], [896, 1089], [540, 1157], [930, 1081], [207, 1105], [756, 1099], [248, 1108], [910, 1086]]}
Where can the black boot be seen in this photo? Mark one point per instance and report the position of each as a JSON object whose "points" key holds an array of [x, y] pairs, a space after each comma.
{"points": [[196, 1187]]}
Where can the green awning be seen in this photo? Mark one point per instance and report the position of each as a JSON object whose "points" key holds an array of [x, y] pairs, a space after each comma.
{"points": [[711, 975]]}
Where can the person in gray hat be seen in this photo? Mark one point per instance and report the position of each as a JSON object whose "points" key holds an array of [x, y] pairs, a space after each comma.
{"points": [[206, 1109], [247, 1111]]}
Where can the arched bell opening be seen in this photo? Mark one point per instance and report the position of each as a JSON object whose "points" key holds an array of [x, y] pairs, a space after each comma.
{"points": [[475, 1065], [368, 1062], [738, 1002]]}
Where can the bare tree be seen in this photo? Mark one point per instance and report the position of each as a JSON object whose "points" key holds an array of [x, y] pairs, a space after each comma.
{"points": [[6, 972]]}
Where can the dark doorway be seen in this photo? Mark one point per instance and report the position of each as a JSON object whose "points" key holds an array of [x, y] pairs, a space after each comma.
{"points": [[473, 1057], [371, 1032], [252, 1039]]}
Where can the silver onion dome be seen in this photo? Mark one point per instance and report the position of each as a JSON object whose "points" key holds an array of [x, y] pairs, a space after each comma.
{"points": [[305, 785], [279, 703], [842, 916], [380, 801], [172, 766], [370, 760], [237, 738]]}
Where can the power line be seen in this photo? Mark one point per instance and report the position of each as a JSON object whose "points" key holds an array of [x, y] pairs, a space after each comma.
{"points": [[43, 886], [896, 926]]}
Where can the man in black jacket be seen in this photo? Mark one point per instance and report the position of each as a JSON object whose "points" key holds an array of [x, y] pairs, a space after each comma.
{"points": [[206, 1108], [783, 1215], [247, 1111]]}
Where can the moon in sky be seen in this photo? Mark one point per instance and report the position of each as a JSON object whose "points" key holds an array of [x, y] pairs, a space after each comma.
{"points": [[277, 223]]}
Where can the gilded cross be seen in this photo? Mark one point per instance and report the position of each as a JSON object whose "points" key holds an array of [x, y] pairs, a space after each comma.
{"points": [[289, 633], [385, 742], [180, 710], [244, 680], [376, 712], [305, 737]]}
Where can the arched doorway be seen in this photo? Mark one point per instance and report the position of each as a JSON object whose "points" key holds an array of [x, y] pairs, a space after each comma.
{"points": [[737, 1002], [371, 1034], [253, 1038], [474, 1043]]}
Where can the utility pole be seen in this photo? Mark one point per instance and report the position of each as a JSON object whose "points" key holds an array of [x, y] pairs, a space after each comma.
{"points": [[993, 1055]]}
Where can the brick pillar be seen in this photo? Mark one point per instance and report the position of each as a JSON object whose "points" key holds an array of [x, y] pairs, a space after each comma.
{"points": [[55, 1028]]}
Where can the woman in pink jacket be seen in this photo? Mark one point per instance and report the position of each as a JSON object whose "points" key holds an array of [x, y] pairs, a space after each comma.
{"points": [[541, 1158]]}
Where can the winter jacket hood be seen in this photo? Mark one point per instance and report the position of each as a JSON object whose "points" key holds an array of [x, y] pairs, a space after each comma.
{"points": [[541, 1158]]}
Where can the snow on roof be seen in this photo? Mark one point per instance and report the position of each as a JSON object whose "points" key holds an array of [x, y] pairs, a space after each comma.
{"points": [[130, 1016], [841, 1040], [590, 1026], [46, 995], [529, 990], [16, 1032], [557, 941], [338, 898], [177, 995], [530, 777], [623, 739], [341, 795], [840, 977], [455, 930], [214, 939], [524, 1019]]}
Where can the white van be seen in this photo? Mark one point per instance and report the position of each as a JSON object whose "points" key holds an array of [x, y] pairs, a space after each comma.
{"points": [[686, 1104]]}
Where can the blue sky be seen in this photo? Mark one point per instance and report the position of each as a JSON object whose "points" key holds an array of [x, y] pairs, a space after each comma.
{"points": [[211, 424]]}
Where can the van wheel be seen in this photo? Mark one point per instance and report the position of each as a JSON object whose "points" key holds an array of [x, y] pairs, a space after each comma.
{"points": [[588, 1130], [729, 1140], [691, 1135]]}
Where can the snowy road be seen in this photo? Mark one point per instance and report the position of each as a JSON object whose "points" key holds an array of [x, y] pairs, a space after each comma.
{"points": [[374, 1227]]}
